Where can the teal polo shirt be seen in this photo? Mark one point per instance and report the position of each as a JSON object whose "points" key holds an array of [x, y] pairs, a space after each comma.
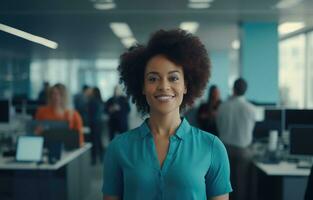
{"points": [[196, 166]]}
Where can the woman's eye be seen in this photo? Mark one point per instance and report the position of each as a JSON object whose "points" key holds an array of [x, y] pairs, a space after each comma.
{"points": [[174, 78], [152, 79]]}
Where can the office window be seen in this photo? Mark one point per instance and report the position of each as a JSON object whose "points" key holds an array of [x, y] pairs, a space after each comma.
{"points": [[51, 70], [107, 79], [292, 71], [104, 79], [310, 70], [74, 73]]}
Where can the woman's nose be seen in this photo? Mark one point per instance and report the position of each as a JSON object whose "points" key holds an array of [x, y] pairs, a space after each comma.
{"points": [[163, 85]]}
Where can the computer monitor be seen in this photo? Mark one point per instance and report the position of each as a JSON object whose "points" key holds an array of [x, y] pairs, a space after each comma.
{"points": [[68, 137], [301, 138], [44, 125], [4, 111], [272, 121], [32, 107], [273, 115], [29, 149], [26, 105], [19, 105], [263, 128], [298, 117]]}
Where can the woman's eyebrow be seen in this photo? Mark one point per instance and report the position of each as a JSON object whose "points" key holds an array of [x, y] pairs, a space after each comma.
{"points": [[154, 73], [157, 73], [174, 71]]}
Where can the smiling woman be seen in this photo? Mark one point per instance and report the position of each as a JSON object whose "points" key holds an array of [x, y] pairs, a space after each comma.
{"points": [[166, 158]]}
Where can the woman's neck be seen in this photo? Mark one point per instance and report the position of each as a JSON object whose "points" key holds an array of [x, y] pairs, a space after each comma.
{"points": [[164, 125]]}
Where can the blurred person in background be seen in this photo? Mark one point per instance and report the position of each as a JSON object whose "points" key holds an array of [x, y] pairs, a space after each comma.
{"points": [[96, 109], [57, 109], [118, 109], [81, 103], [236, 118], [43, 94], [206, 115]]}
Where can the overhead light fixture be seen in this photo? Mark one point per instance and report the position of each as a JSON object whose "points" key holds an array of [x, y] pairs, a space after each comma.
{"points": [[128, 42], [235, 44], [201, 1], [289, 27], [121, 30], [199, 5], [101, 1], [28, 36], [285, 4], [104, 6], [191, 27]]}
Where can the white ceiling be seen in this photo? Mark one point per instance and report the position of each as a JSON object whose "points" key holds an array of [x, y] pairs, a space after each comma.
{"points": [[83, 32]]}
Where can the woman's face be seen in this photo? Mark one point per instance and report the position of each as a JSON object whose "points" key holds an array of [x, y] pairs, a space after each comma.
{"points": [[56, 97], [164, 85]]}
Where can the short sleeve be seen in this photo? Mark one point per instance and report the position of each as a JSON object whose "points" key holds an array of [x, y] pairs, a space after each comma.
{"points": [[218, 176], [112, 172]]}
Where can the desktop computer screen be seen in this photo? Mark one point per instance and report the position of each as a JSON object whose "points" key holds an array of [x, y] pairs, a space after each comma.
{"points": [[29, 106], [272, 121], [298, 117], [4, 111], [301, 138], [45, 125], [273, 115]]}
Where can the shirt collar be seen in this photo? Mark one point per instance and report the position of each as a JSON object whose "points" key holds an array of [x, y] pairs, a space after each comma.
{"points": [[181, 132]]}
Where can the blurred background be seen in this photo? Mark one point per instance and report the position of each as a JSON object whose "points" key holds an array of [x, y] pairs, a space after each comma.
{"points": [[90, 35], [78, 43]]}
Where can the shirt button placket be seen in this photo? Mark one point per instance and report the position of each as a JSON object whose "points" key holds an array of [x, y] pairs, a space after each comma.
{"points": [[161, 195]]}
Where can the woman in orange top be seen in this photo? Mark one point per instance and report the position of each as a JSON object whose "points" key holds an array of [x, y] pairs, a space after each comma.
{"points": [[57, 110]]}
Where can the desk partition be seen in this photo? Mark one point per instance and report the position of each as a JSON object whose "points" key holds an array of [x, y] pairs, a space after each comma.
{"points": [[67, 179]]}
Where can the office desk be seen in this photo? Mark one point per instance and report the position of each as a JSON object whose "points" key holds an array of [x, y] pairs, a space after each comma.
{"points": [[281, 181], [67, 179]]}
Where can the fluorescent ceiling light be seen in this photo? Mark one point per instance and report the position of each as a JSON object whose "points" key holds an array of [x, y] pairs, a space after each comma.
{"points": [[104, 6], [289, 27], [128, 42], [235, 44], [199, 5], [284, 4], [28, 36], [121, 30], [191, 27], [101, 1], [201, 1]]}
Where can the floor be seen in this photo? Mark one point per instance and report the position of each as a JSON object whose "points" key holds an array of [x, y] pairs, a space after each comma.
{"points": [[96, 174], [96, 183]]}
